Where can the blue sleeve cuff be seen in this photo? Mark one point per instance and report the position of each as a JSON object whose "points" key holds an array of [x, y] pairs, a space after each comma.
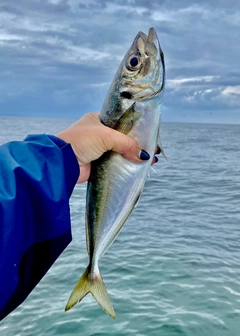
{"points": [[59, 142]]}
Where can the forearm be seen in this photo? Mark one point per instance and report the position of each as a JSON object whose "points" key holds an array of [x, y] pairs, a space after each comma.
{"points": [[37, 177]]}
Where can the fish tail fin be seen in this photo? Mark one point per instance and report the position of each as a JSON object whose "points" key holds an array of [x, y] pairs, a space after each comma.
{"points": [[96, 287]]}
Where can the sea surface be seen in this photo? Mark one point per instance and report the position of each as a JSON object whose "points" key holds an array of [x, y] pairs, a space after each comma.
{"points": [[174, 269]]}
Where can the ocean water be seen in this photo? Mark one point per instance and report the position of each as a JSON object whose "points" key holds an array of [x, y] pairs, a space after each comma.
{"points": [[175, 267]]}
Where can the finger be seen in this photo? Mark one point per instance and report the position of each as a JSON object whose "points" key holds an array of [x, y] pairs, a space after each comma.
{"points": [[124, 144], [128, 147], [154, 160], [84, 173]]}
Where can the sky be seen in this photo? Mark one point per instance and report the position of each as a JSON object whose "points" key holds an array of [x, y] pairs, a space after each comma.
{"points": [[58, 57]]}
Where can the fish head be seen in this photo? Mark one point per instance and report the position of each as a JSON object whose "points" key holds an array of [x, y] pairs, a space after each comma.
{"points": [[142, 72], [140, 76]]}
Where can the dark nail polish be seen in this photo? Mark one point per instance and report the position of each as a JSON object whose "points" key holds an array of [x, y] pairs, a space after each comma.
{"points": [[143, 155], [156, 159]]}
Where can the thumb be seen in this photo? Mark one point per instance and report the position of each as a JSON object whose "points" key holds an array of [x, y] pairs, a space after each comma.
{"points": [[127, 147]]}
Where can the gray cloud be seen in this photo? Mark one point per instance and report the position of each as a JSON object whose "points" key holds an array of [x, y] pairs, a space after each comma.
{"points": [[62, 55]]}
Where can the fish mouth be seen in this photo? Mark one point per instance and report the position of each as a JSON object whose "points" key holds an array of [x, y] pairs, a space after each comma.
{"points": [[149, 45], [153, 38]]}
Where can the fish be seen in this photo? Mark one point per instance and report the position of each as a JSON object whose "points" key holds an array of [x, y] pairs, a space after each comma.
{"points": [[132, 106]]}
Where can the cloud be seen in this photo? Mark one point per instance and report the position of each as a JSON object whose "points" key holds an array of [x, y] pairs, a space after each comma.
{"points": [[63, 54], [231, 95], [174, 83]]}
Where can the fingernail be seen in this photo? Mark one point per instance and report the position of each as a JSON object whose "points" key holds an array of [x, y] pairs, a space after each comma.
{"points": [[156, 159], [158, 150], [143, 155]]}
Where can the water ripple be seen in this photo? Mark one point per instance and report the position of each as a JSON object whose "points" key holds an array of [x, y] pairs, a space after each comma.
{"points": [[174, 269]]}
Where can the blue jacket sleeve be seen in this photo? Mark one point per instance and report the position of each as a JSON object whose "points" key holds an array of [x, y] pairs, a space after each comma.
{"points": [[37, 177]]}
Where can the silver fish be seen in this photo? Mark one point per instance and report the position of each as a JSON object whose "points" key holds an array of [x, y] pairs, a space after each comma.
{"points": [[132, 106]]}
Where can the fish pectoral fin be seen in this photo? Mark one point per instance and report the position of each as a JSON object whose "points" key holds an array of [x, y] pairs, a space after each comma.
{"points": [[162, 151], [94, 286], [159, 145], [127, 120]]}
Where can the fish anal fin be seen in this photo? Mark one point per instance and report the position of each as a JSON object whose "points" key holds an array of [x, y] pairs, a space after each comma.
{"points": [[138, 198]]}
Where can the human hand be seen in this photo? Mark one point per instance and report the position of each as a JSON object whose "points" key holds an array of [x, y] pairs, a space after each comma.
{"points": [[89, 139]]}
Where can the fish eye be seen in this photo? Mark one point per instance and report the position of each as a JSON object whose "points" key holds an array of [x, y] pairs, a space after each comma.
{"points": [[133, 63]]}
